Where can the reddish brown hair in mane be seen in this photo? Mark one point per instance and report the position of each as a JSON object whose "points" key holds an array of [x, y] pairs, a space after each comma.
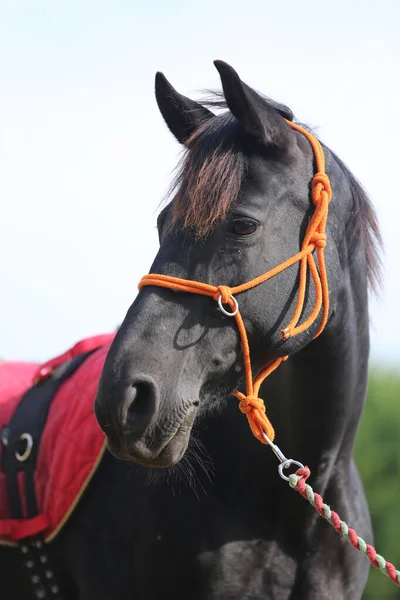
{"points": [[209, 176]]}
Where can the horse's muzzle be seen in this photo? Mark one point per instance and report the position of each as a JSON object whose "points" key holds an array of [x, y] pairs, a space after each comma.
{"points": [[134, 432]]}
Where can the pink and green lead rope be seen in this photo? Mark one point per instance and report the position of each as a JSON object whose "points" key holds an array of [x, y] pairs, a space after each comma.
{"points": [[298, 482]]}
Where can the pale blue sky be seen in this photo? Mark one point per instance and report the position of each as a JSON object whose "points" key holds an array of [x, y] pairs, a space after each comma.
{"points": [[85, 157]]}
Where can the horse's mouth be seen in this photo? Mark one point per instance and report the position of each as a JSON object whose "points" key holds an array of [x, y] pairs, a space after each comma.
{"points": [[165, 454]]}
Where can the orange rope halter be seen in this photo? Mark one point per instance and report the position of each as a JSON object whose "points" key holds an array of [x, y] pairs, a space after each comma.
{"points": [[315, 237]]}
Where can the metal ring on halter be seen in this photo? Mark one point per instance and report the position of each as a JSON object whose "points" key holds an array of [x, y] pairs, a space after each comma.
{"points": [[286, 464], [25, 437], [228, 314]]}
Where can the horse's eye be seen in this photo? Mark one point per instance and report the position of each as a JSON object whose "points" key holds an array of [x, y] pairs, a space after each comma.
{"points": [[243, 226]]}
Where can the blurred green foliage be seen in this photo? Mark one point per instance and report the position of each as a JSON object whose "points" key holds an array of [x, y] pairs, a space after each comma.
{"points": [[377, 455]]}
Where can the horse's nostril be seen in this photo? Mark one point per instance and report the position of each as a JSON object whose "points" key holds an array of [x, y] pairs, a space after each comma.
{"points": [[126, 408], [139, 406], [196, 402], [139, 403]]}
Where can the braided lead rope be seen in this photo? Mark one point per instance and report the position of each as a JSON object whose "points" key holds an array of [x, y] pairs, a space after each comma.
{"points": [[297, 481]]}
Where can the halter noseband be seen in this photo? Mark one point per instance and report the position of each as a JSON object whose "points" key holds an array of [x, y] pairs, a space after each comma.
{"points": [[315, 238]]}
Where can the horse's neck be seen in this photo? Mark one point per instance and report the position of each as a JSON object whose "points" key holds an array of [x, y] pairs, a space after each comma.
{"points": [[319, 393], [314, 401]]}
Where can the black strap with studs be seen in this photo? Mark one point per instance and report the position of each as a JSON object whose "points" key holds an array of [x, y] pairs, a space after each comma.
{"points": [[39, 569]]}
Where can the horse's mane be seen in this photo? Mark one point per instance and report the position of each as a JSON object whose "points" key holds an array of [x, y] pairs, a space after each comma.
{"points": [[211, 171], [209, 175], [364, 225]]}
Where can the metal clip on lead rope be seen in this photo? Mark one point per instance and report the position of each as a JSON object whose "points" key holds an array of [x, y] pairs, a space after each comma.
{"points": [[285, 462]]}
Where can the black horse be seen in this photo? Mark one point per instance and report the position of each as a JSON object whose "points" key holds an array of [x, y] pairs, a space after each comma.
{"points": [[217, 522]]}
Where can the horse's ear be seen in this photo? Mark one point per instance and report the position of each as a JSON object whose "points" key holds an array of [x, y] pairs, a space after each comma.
{"points": [[182, 115], [260, 119]]}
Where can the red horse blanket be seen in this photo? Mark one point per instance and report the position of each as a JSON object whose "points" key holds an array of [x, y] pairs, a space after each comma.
{"points": [[72, 443]]}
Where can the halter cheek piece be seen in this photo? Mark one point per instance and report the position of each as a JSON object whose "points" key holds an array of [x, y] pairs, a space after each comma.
{"points": [[315, 238]]}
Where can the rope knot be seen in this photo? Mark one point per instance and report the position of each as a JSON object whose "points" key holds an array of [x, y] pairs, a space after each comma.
{"points": [[249, 403], [321, 186], [318, 239], [225, 292]]}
